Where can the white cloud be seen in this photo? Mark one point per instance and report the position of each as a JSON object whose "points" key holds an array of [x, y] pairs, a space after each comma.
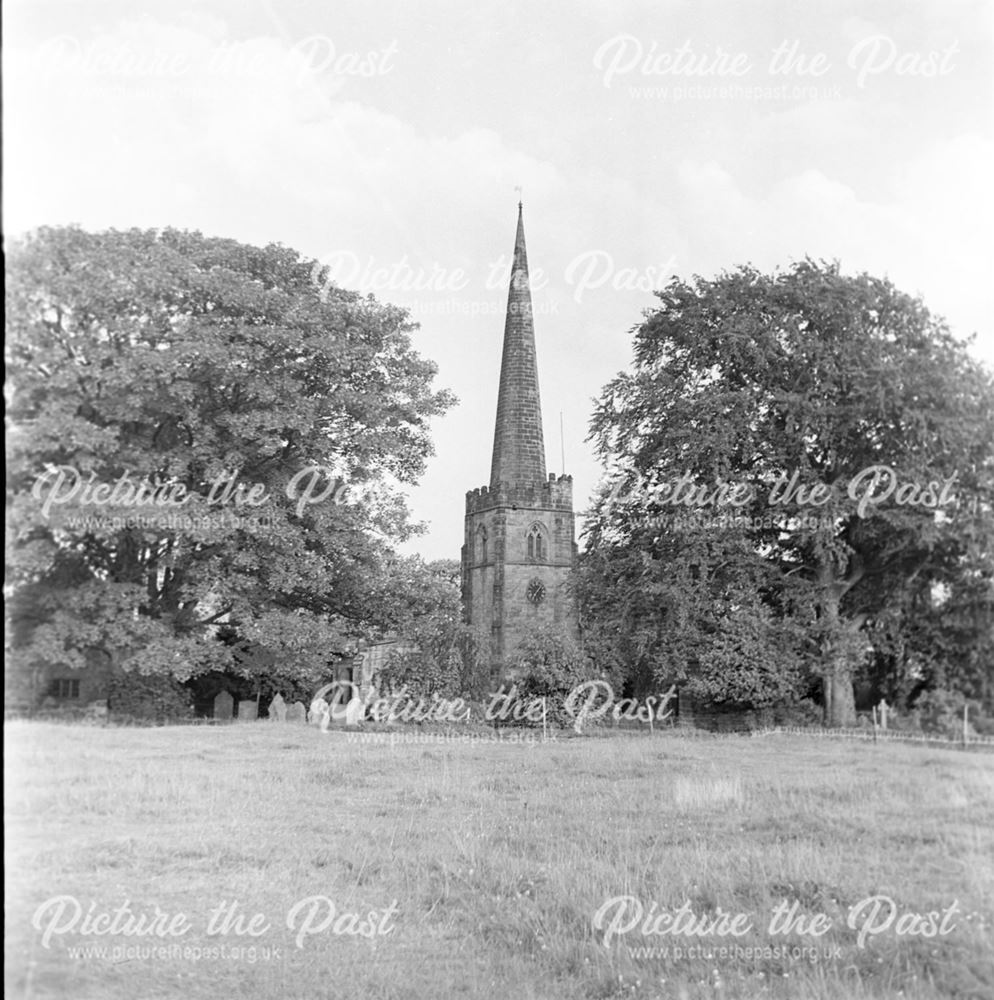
{"points": [[201, 123], [927, 236]]}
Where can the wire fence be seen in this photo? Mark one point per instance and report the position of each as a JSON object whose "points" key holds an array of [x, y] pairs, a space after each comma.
{"points": [[881, 736]]}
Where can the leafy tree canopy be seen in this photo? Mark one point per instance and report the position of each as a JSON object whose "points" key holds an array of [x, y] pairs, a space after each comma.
{"points": [[180, 361], [844, 426]]}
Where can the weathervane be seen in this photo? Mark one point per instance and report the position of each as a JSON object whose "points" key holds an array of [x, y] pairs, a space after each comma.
{"points": [[518, 189]]}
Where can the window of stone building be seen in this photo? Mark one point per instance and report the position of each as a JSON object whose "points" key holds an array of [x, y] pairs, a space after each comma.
{"points": [[64, 687], [481, 545], [536, 543]]}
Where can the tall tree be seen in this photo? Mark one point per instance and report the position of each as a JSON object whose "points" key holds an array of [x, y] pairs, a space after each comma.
{"points": [[941, 638], [280, 416], [850, 430]]}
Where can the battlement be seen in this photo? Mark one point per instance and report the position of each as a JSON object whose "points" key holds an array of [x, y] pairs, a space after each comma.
{"points": [[555, 494]]}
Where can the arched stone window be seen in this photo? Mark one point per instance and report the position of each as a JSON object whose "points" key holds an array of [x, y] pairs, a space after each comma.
{"points": [[481, 544], [536, 544]]}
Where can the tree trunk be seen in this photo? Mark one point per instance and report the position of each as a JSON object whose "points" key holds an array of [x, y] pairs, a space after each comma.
{"points": [[837, 689], [840, 638]]}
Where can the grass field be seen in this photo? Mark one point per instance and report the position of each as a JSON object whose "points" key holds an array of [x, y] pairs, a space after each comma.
{"points": [[484, 866]]}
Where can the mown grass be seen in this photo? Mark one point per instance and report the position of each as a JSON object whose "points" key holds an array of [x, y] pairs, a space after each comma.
{"points": [[498, 857]]}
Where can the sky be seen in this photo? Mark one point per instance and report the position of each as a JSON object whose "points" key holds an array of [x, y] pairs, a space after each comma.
{"points": [[648, 140]]}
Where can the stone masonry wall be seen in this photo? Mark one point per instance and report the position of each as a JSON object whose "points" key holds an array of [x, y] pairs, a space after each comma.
{"points": [[495, 586]]}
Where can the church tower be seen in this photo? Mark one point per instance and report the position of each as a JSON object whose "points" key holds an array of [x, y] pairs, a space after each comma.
{"points": [[519, 546]]}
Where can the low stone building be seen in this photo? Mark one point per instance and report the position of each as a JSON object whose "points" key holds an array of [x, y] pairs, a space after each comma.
{"points": [[53, 686]]}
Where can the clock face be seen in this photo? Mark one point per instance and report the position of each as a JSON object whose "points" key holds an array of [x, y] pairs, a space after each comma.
{"points": [[535, 592]]}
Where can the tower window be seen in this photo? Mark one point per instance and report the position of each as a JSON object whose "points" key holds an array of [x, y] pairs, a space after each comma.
{"points": [[481, 545], [535, 544]]}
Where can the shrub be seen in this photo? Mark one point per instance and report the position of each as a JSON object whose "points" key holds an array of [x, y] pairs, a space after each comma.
{"points": [[148, 698], [550, 665], [982, 725], [802, 713], [909, 722], [941, 712]]}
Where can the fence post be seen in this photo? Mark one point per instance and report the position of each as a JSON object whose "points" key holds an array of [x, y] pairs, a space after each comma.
{"points": [[544, 734], [966, 708]]}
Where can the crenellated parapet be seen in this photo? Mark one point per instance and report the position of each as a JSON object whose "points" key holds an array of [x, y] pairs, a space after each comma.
{"points": [[556, 493]]}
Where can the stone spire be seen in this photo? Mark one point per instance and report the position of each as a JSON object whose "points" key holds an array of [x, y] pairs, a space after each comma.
{"points": [[519, 448]]}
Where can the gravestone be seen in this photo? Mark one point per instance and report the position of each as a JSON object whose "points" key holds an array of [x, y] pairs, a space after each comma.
{"points": [[248, 711], [224, 705], [296, 712], [318, 709], [883, 713], [354, 712], [277, 709]]}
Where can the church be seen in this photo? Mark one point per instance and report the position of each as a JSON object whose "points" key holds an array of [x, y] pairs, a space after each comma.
{"points": [[518, 553], [520, 543]]}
